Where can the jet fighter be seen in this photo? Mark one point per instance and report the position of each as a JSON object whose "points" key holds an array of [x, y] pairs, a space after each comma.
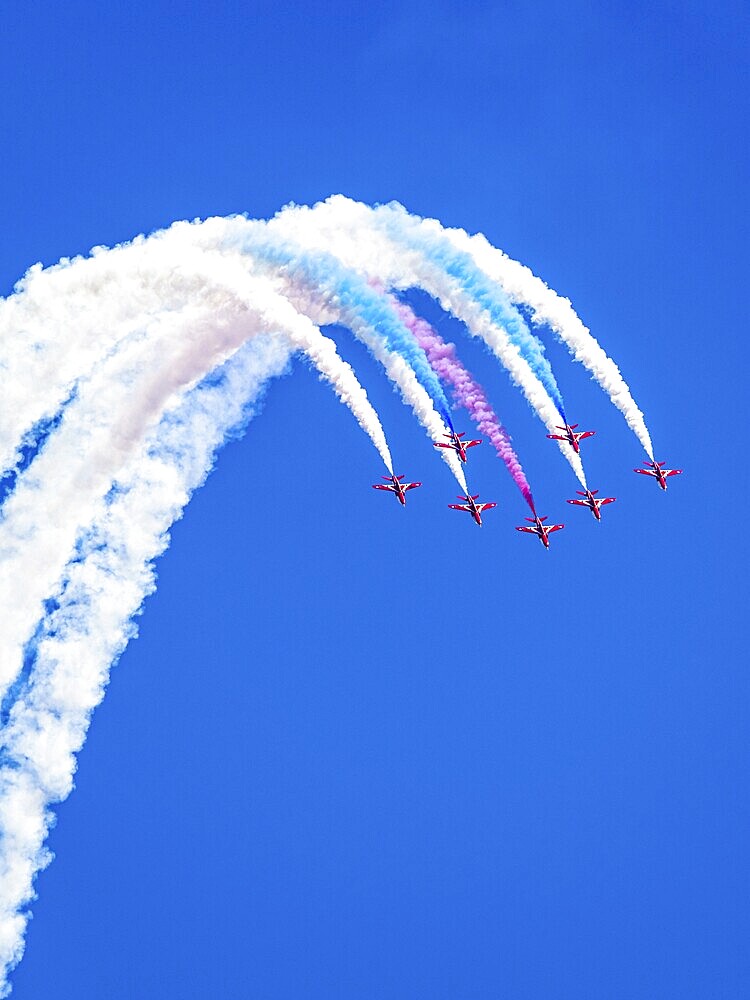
{"points": [[457, 444], [540, 529], [571, 436], [472, 507], [394, 484], [657, 470], [592, 503]]}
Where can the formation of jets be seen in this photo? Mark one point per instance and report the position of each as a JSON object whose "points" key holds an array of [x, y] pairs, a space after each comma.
{"points": [[536, 525]]}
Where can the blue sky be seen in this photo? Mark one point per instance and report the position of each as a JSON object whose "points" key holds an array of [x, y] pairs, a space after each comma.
{"points": [[365, 752]]}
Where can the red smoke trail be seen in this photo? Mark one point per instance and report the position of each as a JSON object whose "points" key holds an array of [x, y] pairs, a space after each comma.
{"points": [[466, 391]]}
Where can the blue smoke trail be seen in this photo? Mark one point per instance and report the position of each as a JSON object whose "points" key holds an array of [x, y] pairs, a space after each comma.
{"points": [[488, 295], [358, 301]]}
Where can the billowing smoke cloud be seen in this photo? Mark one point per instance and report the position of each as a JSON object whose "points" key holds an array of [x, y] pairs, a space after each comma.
{"points": [[123, 373], [94, 600]]}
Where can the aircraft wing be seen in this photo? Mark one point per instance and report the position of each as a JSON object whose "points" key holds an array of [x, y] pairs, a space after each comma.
{"points": [[558, 437], [471, 444], [554, 527], [382, 486], [485, 506], [441, 444], [531, 531], [606, 500], [671, 472], [585, 434], [459, 506], [581, 503], [645, 472], [411, 486]]}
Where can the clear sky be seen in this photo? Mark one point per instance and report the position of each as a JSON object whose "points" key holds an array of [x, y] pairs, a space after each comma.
{"points": [[373, 753]]}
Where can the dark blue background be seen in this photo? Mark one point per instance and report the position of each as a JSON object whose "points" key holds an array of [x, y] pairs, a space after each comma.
{"points": [[362, 752]]}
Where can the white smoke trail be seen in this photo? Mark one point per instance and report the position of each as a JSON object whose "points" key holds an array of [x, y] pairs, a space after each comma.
{"points": [[321, 351], [396, 367], [127, 338], [96, 600], [141, 364], [352, 232], [108, 418], [320, 295], [550, 309], [64, 320]]}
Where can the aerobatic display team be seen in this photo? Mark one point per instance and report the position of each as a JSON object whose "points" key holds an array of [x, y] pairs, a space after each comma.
{"points": [[124, 373]]}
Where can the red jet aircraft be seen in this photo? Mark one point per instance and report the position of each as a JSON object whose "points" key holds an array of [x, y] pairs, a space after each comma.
{"points": [[592, 503], [458, 445], [472, 507], [657, 470], [540, 529], [569, 434], [394, 484]]}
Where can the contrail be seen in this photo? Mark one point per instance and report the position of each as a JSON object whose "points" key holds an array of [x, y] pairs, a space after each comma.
{"points": [[488, 297], [353, 233], [107, 419], [123, 373], [468, 393], [321, 286], [524, 288], [322, 352], [95, 601], [63, 321], [550, 309]]}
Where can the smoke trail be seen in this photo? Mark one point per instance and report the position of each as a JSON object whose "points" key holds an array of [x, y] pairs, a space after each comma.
{"points": [[551, 309], [353, 232], [104, 364], [99, 593], [356, 302], [322, 352], [107, 419], [486, 295], [467, 392], [63, 321], [319, 285]]}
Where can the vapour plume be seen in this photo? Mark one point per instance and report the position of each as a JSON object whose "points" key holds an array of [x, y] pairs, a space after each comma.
{"points": [[95, 600], [126, 371], [107, 418], [467, 392], [547, 307], [553, 310], [62, 321], [320, 286], [354, 233]]}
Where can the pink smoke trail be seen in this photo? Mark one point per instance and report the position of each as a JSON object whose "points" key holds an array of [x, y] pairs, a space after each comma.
{"points": [[466, 392]]}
